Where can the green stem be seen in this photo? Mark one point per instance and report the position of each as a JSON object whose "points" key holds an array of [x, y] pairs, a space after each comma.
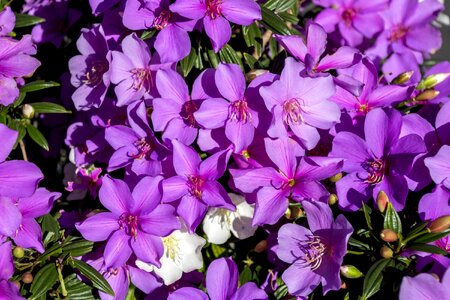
{"points": [[355, 252], [61, 280]]}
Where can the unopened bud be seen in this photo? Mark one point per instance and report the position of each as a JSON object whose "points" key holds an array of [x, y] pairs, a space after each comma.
{"points": [[440, 224], [261, 246], [403, 77], [351, 272], [382, 201], [18, 252], [333, 199], [388, 235], [336, 177], [27, 111], [254, 73], [432, 80], [296, 212], [287, 213], [427, 95], [27, 278], [386, 252]]}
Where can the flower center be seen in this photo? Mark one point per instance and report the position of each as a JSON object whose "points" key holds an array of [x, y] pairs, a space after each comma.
{"points": [[444, 243], [292, 112], [213, 9], [142, 78], [162, 20], [187, 113], [129, 223], [362, 108], [313, 249], [375, 171], [143, 147], [397, 33], [195, 185], [348, 15], [94, 74], [172, 248], [239, 112]]}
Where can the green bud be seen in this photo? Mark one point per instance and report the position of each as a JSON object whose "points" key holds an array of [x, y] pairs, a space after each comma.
{"points": [[388, 235], [427, 95], [18, 252], [351, 272], [333, 199], [440, 224], [432, 80], [386, 252], [336, 177], [403, 78]]}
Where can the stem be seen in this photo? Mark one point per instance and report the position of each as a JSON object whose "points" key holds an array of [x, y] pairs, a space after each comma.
{"points": [[24, 151], [61, 280], [355, 252]]}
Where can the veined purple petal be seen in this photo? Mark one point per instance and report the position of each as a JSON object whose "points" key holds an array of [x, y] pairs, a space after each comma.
{"points": [[118, 249], [304, 286], [215, 195], [11, 219], [189, 9], [6, 261], [29, 235], [9, 138], [98, 227], [18, 178], [271, 204], [294, 45], [214, 166], [388, 95], [143, 280], [148, 248], [439, 166], [352, 192], [212, 113], [186, 160], [232, 81], [288, 245], [242, 12], [115, 195], [218, 30], [188, 293], [174, 188], [249, 290], [344, 57], [38, 204], [316, 41], [283, 153], [164, 110], [173, 44], [161, 221], [222, 279], [171, 85], [192, 211], [146, 195], [250, 180], [319, 215]]}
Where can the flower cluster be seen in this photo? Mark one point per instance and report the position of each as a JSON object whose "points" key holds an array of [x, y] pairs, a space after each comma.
{"points": [[191, 175]]}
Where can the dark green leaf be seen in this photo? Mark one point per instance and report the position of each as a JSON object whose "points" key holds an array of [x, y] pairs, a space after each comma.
{"points": [[37, 136], [367, 211], [23, 20], [358, 244], [374, 278], [93, 275], [392, 220], [280, 5], [148, 34], [273, 22], [418, 228], [19, 99], [213, 58], [245, 276], [428, 248], [250, 60], [281, 291], [44, 280], [37, 86], [188, 62], [54, 250], [77, 290], [49, 224], [230, 56], [431, 237], [49, 108], [78, 247], [289, 17], [19, 127]]}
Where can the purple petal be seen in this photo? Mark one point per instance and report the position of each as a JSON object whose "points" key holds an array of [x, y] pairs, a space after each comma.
{"points": [[250, 290], [6, 261], [283, 153], [164, 110], [137, 16], [250, 180], [309, 190], [271, 204], [222, 279], [439, 166], [381, 130], [215, 195], [322, 115], [174, 188], [39, 204], [192, 211], [294, 45], [352, 192], [319, 215], [423, 286], [119, 283], [212, 113], [115, 195], [368, 24], [148, 248], [240, 134], [11, 219], [161, 221], [214, 166], [9, 91], [352, 159], [143, 280], [119, 136], [98, 227], [189, 9], [218, 30], [29, 235], [389, 95], [343, 58], [300, 280], [316, 41], [289, 236], [242, 12], [173, 44], [136, 50], [232, 81], [18, 178], [186, 160], [395, 187], [353, 37], [9, 138], [146, 195], [171, 85], [435, 204], [328, 18], [118, 249], [188, 293], [430, 39]]}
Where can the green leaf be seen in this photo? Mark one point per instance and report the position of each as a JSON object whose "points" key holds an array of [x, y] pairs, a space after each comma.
{"points": [[217, 250], [188, 62], [213, 58], [49, 108], [289, 17], [77, 247], [280, 5], [44, 280], [77, 290], [54, 250], [37, 86], [19, 127], [273, 22], [281, 291], [37, 136], [428, 248], [19, 99], [358, 244], [229, 55], [392, 220], [93, 275], [416, 229], [431, 237], [148, 34], [374, 278], [367, 211], [250, 60], [245, 276], [23, 20]]}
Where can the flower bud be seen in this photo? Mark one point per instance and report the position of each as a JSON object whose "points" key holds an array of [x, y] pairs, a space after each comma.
{"points": [[351, 272], [382, 201], [18, 252], [440, 224], [254, 73], [388, 235], [432, 80], [386, 252], [333, 199], [427, 95], [27, 111], [261, 246], [403, 77], [287, 213], [27, 278], [336, 177]]}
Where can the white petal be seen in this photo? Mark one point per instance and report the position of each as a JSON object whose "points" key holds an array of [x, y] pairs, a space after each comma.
{"points": [[241, 219], [216, 225], [170, 271], [144, 266]]}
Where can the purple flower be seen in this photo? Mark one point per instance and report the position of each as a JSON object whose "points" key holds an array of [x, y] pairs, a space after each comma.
{"points": [[300, 105], [135, 224], [7, 21], [354, 19], [196, 184], [290, 179], [82, 180], [222, 279], [310, 51], [99, 6], [378, 163], [18, 217], [134, 70], [136, 145], [8, 290], [425, 286], [372, 95], [90, 70], [439, 166], [173, 113], [315, 254], [215, 15], [18, 178], [172, 41], [233, 113], [15, 62]]}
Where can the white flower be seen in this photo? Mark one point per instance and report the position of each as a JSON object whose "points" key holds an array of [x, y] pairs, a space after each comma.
{"points": [[219, 223], [182, 253]]}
